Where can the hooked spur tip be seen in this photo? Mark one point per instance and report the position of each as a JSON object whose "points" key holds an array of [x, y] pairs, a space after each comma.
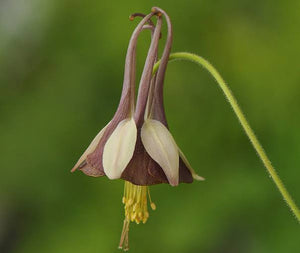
{"points": [[131, 17], [156, 11]]}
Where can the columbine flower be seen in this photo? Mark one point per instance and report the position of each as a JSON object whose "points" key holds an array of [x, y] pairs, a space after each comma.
{"points": [[136, 144]]}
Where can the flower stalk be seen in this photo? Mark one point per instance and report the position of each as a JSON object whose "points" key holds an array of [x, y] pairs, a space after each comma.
{"points": [[243, 121]]}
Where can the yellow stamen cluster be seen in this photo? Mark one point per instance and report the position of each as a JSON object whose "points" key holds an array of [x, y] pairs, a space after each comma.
{"points": [[136, 208]]}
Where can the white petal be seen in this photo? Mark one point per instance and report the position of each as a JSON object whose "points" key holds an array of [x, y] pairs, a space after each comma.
{"points": [[119, 148], [90, 148], [162, 148], [186, 162]]}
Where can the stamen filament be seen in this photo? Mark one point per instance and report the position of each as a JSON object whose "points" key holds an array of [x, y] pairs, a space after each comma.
{"points": [[136, 209]]}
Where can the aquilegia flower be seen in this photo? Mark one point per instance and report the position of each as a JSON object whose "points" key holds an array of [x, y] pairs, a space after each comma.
{"points": [[136, 144]]}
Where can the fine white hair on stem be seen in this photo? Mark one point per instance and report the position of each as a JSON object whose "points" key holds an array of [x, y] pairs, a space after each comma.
{"points": [[243, 121]]}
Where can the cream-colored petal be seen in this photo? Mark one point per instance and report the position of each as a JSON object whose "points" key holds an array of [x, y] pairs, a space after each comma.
{"points": [[90, 148], [119, 148], [161, 146], [194, 174]]}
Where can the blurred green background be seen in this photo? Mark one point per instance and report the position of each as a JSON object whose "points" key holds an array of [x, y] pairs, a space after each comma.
{"points": [[61, 73]]}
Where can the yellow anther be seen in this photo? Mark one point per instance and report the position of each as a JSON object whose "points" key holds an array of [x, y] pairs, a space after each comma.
{"points": [[130, 202], [136, 208], [133, 216], [153, 206]]}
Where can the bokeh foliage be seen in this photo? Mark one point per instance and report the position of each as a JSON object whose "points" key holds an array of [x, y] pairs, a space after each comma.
{"points": [[61, 71]]}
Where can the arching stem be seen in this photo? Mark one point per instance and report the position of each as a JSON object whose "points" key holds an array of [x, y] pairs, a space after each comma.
{"points": [[242, 119]]}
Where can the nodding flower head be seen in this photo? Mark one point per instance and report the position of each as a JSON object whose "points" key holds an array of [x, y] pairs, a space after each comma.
{"points": [[136, 144]]}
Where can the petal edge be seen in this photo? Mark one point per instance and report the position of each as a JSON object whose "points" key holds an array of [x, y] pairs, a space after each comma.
{"points": [[90, 148], [162, 148], [185, 160], [119, 148]]}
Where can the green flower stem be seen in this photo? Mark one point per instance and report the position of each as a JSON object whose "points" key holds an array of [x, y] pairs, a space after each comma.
{"points": [[238, 112]]}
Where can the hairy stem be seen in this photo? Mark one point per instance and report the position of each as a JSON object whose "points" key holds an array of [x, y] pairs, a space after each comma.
{"points": [[242, 119]]}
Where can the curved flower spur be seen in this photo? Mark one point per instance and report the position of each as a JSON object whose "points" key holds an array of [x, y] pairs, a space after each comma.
{"points": [[136, 144]]}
